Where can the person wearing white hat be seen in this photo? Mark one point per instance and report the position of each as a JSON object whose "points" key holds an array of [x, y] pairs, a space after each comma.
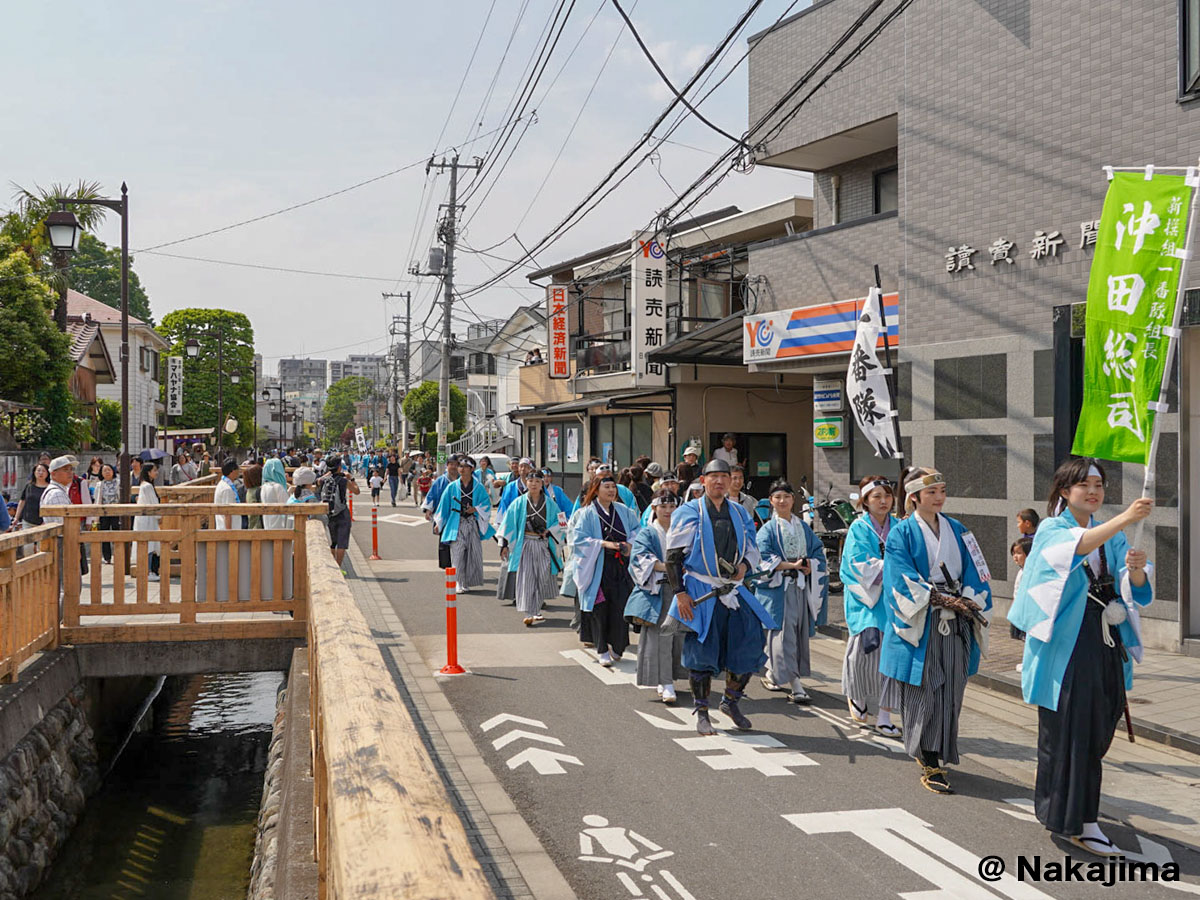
{"points": [[62, 472]]}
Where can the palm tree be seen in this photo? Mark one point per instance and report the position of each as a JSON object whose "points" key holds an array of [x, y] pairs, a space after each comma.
{"points": [[27, 226]]}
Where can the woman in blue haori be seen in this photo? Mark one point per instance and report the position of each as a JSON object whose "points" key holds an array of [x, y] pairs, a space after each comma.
{"points": [[937, 612], [796, 595], [603, 540], [461, 519], [668, 482], [710, 549], [866, 618], [658, 654], [1078, 605], [530, 535]]}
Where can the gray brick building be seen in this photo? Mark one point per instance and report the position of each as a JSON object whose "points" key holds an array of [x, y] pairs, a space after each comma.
{"points": [[966, 123]]}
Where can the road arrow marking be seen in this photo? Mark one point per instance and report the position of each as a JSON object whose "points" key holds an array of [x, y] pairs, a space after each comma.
{"points": [[546, 762], [853, 732], [517, 734], [509, 717]]}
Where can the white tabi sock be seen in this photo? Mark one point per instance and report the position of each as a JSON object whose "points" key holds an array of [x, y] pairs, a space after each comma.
{"points": [[884, 717], [1092, 830]]}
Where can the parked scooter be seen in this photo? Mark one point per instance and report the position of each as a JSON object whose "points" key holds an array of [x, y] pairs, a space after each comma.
{"points": [[834, 516]]}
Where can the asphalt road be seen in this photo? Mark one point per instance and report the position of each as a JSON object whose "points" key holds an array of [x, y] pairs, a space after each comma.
{"points": [[805, 805]]}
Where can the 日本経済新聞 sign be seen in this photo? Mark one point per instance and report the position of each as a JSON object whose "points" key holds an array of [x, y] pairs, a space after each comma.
{"points": [[1132, 294], [558, 357]]}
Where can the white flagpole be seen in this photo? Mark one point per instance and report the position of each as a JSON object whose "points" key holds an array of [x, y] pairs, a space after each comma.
{"points": [[1172, 340]]}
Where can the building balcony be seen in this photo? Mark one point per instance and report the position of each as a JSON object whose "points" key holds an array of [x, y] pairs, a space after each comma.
{"points": [[538, 388], [602, 353]]}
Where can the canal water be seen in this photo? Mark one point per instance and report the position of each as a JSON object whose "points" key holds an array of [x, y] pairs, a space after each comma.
{"points": [[176, 815]]}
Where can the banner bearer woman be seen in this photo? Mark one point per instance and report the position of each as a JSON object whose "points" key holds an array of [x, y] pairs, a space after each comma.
{"points": [[1078, 604]]}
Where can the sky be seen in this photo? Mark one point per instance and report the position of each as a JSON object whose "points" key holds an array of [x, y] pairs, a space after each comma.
{"points": [[217, 112]]}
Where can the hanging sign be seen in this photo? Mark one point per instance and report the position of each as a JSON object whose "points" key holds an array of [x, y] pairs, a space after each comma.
{"points": [[174, 385], [558, 357], [1131, 317], [360, 438], [827, 395], [648, 293]]}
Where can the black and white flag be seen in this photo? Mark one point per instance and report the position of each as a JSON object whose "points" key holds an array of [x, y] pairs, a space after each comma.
{"points": [[867, 384]]}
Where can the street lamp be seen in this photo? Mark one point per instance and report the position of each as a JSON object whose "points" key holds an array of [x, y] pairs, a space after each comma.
{"points": [[192, 348], [63, 231]]}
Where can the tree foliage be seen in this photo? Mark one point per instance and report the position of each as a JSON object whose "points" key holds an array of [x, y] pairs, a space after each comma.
{"points": [[96, 271], [421, 407], [108, 424], [26, 222], [338, 414], [200, 374], [33, 353]]}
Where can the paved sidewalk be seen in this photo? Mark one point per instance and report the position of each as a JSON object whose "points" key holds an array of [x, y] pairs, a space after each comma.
{"points": [[1164, 703]]}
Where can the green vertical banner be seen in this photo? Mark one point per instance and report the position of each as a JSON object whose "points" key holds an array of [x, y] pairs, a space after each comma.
{"points": [[1131, 298]]}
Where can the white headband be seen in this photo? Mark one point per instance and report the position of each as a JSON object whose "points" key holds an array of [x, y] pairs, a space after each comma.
{"points": [[1094, 472], [924, 481]]}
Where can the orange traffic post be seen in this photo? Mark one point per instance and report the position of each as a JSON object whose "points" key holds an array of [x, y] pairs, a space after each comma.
{"points": [[375, 533], [452, 667]]}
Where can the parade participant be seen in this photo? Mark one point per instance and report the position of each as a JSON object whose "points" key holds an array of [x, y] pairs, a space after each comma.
{"points": [[434, 495], [668, 483], [589, 474], [796, 595], [560, 496], [866, 618], [624, 494], [710, 549], [530, 534], [602, 541], [737, 476], [515, 487], [938, 607], [658, 654], [1078, 605], [462, 521]]}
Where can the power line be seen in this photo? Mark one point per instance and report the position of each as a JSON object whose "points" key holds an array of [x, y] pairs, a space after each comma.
{"points": [[242, 265], [466, 72]]}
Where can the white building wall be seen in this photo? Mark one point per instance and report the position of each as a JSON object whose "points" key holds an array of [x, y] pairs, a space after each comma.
{"points": [[143, 388]]}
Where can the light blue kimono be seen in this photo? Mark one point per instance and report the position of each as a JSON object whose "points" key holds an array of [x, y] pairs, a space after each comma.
{"points": [[861, 571], [646, 600], [585, 544], [561, 500], [512, 529], [906, 589], [447, 517], [691, 529], [771, 593], [514, 489], [1051, 600]]}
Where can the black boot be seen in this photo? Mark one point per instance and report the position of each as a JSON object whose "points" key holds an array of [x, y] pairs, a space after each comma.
{"points": [[734, 691], [701, 685]]}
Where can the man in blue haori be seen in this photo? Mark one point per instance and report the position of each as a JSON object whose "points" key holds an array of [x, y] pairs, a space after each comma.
{"points": [[710, 549]]}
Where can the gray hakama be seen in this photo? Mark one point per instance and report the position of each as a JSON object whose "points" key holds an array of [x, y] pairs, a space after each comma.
{"points": [[787, 648], [534, 581], [658, 654], [466, 554], [931, 710], [862, 682]]}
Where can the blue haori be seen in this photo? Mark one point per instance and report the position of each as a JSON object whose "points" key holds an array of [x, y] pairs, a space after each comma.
{"points": [[658, 654], [512, 530], [861, 572], [1049, 606], [585, 546], [795, 600]]}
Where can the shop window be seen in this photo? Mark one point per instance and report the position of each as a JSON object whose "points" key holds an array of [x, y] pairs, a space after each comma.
{"points": [[887, 190], [1189, 49], [971, 387], [975, 466], [622, 439]]}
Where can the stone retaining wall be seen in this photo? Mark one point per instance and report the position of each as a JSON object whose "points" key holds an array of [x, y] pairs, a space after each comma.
{"points": [[266, 841], [45, 781]]}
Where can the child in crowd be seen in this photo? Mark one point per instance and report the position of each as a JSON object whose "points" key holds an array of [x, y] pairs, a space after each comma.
{"points": [[1027, 523], [1020, 551], [376, 482], [424, 483]]}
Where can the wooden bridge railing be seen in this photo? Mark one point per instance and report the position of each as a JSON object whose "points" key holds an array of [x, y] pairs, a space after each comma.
{"points": [[385, 826], [221, 571], [28, 597]]}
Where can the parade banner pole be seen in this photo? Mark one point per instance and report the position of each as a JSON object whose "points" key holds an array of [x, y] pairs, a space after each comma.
{"points": [[1173, 335], [893, 384], [452, 667]]}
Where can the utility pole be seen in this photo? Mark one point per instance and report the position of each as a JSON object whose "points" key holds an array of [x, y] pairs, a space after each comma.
{"points": [[397, 398], [447, 231]]}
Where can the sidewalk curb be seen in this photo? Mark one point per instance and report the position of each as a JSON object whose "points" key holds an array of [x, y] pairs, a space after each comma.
{"points": [[1159, 734], [495, 818]]}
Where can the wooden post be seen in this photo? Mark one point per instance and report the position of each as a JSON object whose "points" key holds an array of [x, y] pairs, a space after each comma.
{"points": [[50, 587], [187, 567], [70, 570], [300, 582]]}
